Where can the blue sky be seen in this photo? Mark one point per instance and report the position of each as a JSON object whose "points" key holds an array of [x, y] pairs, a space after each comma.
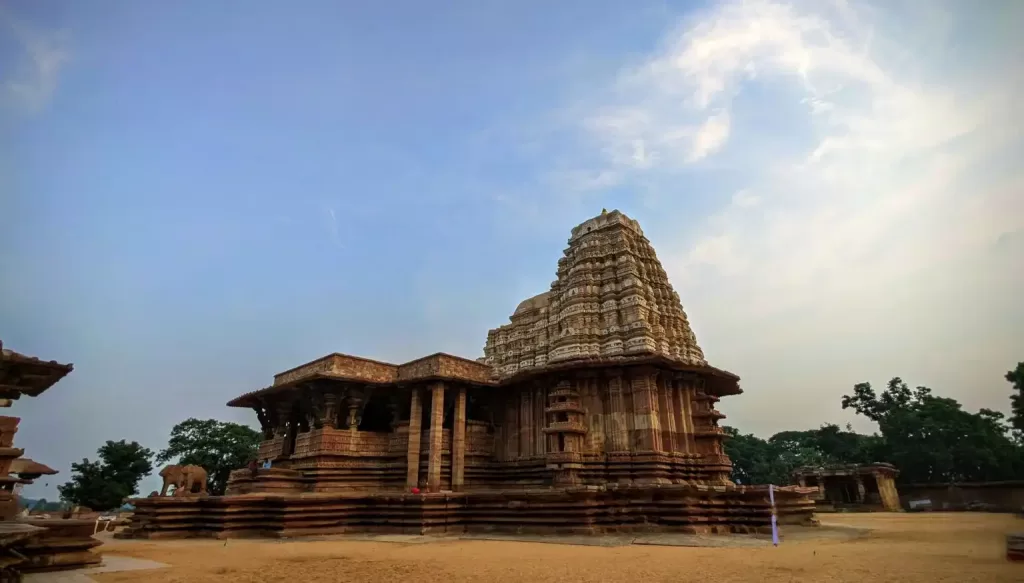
{"points": [[196, 195]]}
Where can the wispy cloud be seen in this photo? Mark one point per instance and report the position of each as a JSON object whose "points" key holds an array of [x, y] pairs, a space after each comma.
{"points": [[883, 146], [35, 73], [867, 164], [332, 226]]}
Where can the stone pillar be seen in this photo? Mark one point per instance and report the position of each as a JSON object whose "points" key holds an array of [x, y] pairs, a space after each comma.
{"points": [[436, 420], [540, 403], [860, 489], [686, 416], [620, 438], [526, 424], [412, 456], [645, 411], [511, 426], [666, 411], [331, 404], [459, 441], [888, 493]]}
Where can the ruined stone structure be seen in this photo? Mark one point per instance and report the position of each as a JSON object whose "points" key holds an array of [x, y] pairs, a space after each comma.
{"points": [[32, 544], [592, 410], [852, 487]]}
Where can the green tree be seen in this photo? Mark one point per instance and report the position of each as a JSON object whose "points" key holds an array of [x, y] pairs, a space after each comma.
{"points": [[42, 505], [932, 439], [1016, 378], [759, 461], [835, 445], [105, 484], [216, 446]]}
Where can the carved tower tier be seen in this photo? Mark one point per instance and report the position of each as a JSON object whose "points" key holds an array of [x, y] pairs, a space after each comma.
{"points": [[640, 406], [564, 433]]}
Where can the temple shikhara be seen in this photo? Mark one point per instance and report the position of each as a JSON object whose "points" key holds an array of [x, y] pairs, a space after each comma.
{"points": [[592, 410]]}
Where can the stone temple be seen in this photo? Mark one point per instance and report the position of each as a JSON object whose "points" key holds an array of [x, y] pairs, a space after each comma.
{"points": [[593, 410]]}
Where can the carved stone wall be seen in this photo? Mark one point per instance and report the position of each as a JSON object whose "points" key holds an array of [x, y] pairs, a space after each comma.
{"points": [[611, 298], [341, 365], [270, 448], [445, 366], [345, 442]]}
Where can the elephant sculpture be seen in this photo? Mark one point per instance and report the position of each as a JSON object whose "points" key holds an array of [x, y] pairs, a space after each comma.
{"points": [[185, 479]]}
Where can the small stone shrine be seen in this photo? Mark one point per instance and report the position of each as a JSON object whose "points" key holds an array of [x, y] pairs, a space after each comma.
{"points": [[869, 487], [33, 544]]}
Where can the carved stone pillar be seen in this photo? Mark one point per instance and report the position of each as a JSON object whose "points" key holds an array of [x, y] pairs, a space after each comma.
{"points": [[510, 426], [620, 438], [459, 441], [266, 427], [436, 421], [329, 403], [355, 412], [647, 426], [526, 423], [685, 416], [667, 414], [282, 412], [412, 456]]}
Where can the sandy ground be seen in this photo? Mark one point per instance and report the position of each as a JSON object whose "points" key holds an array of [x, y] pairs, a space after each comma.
{"points": [[955, 547]]}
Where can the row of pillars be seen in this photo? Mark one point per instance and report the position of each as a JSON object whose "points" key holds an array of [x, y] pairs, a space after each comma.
{"points": [[412, 477], [858, 480]]}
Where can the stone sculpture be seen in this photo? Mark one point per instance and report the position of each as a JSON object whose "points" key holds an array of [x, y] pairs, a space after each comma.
{"points": [[187, 480]]}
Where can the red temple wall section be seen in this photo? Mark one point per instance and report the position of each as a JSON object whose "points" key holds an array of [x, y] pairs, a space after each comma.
{"points": [[621, 416]]}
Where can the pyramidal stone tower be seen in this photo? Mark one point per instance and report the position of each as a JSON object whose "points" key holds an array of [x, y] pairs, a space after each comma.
{"points": [[611, 298], [604, 371]]}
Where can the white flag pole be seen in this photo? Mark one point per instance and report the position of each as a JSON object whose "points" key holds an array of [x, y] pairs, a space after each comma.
{"points": [[775, 523]]}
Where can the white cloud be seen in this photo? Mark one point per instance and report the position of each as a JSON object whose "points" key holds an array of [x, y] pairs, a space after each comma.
{"points": [[710, 137], [745, 199], [892, 190], [43, 55]]}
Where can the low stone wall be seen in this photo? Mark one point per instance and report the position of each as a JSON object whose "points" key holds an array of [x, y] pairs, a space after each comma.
{"points": [[66, 544], [588, 510], [978, 496]]}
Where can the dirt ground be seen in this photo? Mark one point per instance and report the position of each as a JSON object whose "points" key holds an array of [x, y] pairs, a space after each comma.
{"points": [[955, 547]]}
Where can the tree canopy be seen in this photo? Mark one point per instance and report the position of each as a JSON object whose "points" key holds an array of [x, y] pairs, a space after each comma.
{"points": [[217, 446], [105, 484], [1016, 378], [930, 439]]}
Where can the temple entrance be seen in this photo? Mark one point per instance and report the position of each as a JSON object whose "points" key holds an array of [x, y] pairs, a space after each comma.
{"points": [[841, 489], [376, 415], [291, 433], [871, 493]]}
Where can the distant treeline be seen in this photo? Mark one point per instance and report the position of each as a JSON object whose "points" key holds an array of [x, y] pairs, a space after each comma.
{"points": [[930, 439]]}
